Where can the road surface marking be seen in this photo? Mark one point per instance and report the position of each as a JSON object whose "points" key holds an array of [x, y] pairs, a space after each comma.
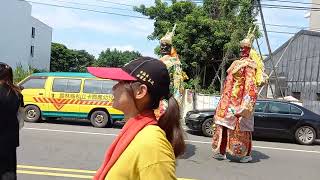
{"points": [[54, 174], [32, 170], [77, 132], [55, 169], [285, 149], [262, 147], [191, 141]]}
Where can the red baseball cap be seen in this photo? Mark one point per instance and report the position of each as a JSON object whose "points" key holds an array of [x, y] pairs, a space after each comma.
{"points": [[111, 73], [149, 71]]}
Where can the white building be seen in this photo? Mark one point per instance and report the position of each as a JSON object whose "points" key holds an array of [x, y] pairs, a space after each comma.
{"points": [[315, 16], [23, 39]]}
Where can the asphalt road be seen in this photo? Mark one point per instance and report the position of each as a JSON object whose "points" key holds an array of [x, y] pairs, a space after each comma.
{"points": [[74, 150]]}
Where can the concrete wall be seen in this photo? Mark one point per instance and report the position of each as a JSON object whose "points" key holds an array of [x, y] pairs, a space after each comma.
{"points": [[15, 32], [15, 36], [197, 101], [315, 16], [206, 101]]}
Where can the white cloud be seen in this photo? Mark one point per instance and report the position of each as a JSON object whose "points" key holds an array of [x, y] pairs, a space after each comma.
{"points": [[66, 19], [61, 19]]}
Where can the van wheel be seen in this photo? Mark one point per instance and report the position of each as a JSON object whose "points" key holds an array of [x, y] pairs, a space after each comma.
{"points": [[32, 113], [99, 119]]}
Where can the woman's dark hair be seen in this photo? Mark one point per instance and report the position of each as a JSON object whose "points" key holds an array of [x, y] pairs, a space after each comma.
{"points": [[169, 122], [6, 78]]}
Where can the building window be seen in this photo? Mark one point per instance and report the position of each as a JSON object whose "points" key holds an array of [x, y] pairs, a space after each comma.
{"points": [[318, 96], [32, 51], [296, 95], [33, 32]]}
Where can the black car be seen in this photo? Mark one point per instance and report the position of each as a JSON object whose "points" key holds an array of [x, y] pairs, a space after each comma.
{"points": [[272, 119]]}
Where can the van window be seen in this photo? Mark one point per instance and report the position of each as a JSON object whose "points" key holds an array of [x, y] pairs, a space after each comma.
{"points": [[98, 86], [66, 85], [34, 83]]}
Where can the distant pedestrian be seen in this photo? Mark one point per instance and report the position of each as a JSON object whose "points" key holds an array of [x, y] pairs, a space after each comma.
{"points": [[10, 101], [145, 149]]}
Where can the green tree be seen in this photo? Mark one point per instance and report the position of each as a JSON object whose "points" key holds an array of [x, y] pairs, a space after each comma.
{"points": [[81, 60], [205, 33], [68, 60], [20, 73], [115, 58], [60, 57]]}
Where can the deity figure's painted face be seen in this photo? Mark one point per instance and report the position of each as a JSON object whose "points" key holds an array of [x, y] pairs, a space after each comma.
{"points": [[165, 49], [244, 51]]}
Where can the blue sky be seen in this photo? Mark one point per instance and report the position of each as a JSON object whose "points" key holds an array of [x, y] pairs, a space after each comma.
{"points": [[95, 32]]}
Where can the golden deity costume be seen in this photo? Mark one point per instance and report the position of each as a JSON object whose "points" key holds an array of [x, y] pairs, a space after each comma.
{"points": [[171, 59], [176, 74], [234, 113]]}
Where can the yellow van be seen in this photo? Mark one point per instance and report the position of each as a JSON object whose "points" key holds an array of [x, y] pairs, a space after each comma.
{"points": [[69, 95]]}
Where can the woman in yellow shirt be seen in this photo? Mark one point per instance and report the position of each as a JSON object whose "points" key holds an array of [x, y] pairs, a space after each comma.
{"points": [[145, 148]]}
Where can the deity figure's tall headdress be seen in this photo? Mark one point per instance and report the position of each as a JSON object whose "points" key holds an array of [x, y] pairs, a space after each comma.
{"points": [[260, 77], [247, 42], [167, 39]]}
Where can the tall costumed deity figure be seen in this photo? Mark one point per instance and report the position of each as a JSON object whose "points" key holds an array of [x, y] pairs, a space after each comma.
{"points": [[177, 75], [234, 114]]}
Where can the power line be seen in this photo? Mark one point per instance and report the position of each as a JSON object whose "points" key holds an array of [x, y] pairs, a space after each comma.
{"points": [[284, 6], [92, 5], [268, 45], [281, 32], [289, 7], [286, 26], [110, 2], [194, 1], [85, 9], [293, 2], [285, 1], [141, 17]]}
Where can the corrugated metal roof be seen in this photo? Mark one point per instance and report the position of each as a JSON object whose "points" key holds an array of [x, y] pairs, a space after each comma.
{"points": [[301, 32]]}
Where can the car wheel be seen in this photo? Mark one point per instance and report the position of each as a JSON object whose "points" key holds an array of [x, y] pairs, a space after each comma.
{"points": [[208, 127], [32, 113], [305, 135], [99, 119]]}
